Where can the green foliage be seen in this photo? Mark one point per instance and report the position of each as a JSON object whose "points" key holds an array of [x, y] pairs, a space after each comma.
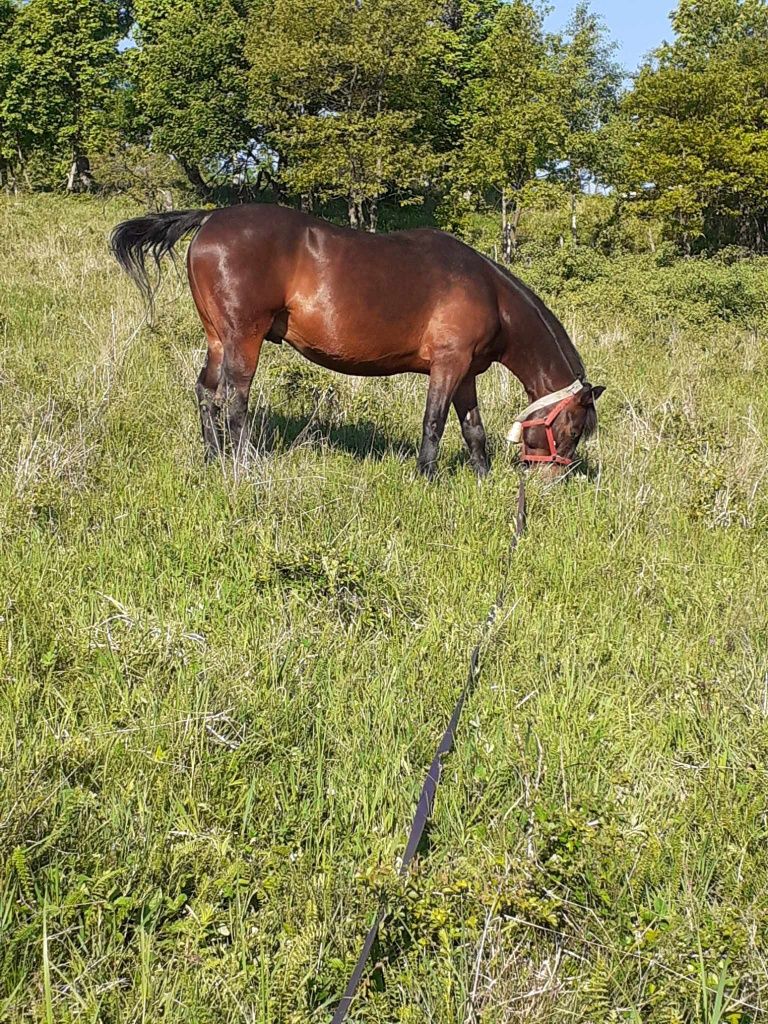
{"points": [[57, 69], [513, 121], [467, 24], [588, 82], [342, 90], [466, 108], [657, 303], [7, 10], [692, 146], [150, 177], [190, 73], [533, 109]]}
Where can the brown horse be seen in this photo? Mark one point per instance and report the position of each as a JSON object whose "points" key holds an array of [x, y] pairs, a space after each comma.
{"points": [[412, 301]]}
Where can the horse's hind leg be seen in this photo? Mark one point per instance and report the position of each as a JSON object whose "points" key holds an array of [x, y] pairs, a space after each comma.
{"points": [[210, 376], [465, 404], [205, 389], [241, 357]]}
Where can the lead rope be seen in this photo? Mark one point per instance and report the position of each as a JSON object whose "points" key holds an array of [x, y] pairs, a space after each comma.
{"points": [[432, 781]]}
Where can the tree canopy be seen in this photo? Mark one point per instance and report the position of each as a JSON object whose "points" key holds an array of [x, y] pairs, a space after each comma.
{"points": [[695, 146], [470, 107], [345, 94], [57, 69]]}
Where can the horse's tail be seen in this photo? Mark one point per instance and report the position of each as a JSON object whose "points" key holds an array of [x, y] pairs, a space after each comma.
{"points": [[154, 235]]}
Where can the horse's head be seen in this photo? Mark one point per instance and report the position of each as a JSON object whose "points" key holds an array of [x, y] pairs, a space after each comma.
{"points": [[551, 427]]}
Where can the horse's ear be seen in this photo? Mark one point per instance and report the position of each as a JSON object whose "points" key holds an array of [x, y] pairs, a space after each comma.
{"points": [[591, 393]]}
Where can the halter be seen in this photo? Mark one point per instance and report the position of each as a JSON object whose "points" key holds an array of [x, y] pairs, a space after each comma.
{"points": [[563, 398]]}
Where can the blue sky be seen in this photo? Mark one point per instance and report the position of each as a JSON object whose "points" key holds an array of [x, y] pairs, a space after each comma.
{"points": [[636, 25]]}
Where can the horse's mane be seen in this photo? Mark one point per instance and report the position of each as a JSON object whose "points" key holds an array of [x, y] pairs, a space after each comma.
{"points": [[547, 317], [558, 332]]}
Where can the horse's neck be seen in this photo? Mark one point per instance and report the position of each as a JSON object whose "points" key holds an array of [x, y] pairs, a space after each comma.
{"points": [[538, 350]]}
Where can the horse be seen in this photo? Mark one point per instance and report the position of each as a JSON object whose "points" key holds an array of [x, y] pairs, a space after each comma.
{"points": [[416, 301]]}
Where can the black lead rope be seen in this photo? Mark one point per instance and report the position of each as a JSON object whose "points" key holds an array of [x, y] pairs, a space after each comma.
{"points": [[432, 781]]}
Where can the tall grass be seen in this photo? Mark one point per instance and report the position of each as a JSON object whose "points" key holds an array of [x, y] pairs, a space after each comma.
{"points": [[219, 689]]}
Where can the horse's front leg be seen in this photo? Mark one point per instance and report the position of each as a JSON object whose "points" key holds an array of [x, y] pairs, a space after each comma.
{"points": [[442, 387]]}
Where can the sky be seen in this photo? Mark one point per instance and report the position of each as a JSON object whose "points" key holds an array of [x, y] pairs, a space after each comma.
{"points": [[636, 25]]}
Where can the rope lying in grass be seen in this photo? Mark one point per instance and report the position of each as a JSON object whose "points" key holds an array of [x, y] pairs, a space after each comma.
{"points": [[429, 789]]}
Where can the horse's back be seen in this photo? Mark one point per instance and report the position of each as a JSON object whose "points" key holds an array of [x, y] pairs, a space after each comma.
{"points": [[282, 235]]}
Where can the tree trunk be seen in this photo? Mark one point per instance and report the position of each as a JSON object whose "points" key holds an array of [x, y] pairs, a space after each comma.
{"points": [[196, 180], [510, 220], [505, 235], [354, 219], [373, 202], [80, 178], [517, 213], [574, 231], [273, 181], [759, 236], [356, 213], [373, 216], [22, 170]]}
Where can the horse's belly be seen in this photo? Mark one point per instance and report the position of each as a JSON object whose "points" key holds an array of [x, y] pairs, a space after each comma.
{"points": [[356, 361]]}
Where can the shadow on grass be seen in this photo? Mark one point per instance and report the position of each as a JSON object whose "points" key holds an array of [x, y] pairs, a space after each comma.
{"points": [[277, 431]]}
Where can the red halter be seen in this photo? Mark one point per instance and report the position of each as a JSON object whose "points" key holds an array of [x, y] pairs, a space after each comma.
{"points": [[546, 422]]}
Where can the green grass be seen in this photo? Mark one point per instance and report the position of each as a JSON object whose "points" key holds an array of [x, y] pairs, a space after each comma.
{"points": [[219, 691]]}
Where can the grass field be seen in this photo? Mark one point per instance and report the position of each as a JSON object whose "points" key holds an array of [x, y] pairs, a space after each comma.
{"points": [[219, 691]]}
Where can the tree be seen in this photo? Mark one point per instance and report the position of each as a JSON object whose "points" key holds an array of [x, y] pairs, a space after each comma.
{"points": [[513, 121], [694, 141], [191, 80], [57, 66], [341, 88], [467, 24], [8, 11], [588, 83], [7, 151]]}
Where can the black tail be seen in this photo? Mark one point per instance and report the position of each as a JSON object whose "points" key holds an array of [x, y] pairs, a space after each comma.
{"points": [[153, 235]]}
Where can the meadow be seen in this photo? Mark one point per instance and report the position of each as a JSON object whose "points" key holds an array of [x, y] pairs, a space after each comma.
{"points": [[220, 687]]}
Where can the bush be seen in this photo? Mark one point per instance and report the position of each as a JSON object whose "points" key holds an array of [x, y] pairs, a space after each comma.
{"points": [[646, 296]]}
